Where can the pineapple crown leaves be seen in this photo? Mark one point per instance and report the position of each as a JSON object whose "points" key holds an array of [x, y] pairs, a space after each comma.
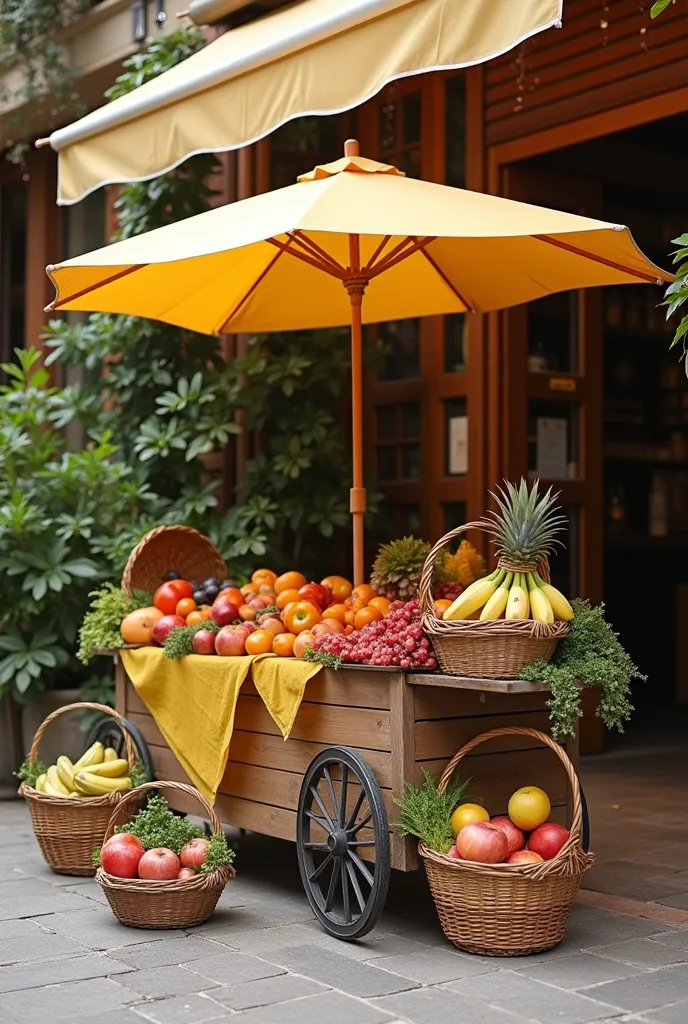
{"points": [[399, 560], [526, 525]]}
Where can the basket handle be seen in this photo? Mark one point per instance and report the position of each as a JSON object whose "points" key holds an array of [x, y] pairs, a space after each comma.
{"points": [[84, 706], [429, 565], [577, 818], [425, 586], [181, 787]]}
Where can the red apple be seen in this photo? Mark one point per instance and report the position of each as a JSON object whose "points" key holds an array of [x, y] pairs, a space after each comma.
{"points": [[548, 839], [186, 873], [224, 611], [315, 594], [231, 641], [164, 626], [160, 864], [482, 842], [524, 857], [454, 853], [204, 642], [121, 854], [514, 836], [194, 853]]}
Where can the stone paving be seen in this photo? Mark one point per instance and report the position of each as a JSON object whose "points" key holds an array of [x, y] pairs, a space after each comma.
{"points": [[262, 959]]}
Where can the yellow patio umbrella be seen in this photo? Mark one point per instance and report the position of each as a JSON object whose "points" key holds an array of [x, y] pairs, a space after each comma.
{"points": [[353, 242]]}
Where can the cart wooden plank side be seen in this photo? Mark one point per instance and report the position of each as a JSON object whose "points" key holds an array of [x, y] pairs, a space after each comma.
{"points": [[393, 724]]}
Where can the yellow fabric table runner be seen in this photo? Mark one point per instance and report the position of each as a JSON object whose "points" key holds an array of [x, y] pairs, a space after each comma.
{"points": [[193, 701]]}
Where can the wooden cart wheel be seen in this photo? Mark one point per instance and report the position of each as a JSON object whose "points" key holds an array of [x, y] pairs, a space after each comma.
{"points": [[342, 843], [110, 734]]}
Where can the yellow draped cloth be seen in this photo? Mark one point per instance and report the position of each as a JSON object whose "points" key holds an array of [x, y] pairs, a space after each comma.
{"points": [[193, 701]]}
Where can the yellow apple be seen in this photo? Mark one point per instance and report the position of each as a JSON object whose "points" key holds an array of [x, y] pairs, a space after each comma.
{"points": [[529, 807], [465, 814]]}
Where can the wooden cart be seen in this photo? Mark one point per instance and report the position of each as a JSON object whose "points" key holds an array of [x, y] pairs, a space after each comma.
{"points": [[360, 733]]}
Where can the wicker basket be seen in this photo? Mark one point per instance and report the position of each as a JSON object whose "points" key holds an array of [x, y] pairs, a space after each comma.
{"points": [[171, 548], [69, 829], [494, 649], [180, 903], [509, 909]]}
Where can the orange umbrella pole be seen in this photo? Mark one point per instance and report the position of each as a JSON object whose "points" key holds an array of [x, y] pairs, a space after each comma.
{"points": [[356, 286]]}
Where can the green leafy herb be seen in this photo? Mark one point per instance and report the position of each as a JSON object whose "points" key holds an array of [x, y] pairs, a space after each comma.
{"points": [[138, 775], [218, 854], [426, 812], [29, 771], [100, 628], [271, 609], [590, 655], [155, 825], [332, 661], [180, 639]]}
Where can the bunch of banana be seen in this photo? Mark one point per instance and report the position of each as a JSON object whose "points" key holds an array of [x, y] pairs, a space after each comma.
{"points": [[97, 772], [511, 595]]}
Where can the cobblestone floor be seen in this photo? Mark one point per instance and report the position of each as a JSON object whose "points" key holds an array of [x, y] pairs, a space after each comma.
{"points": [[263, 960]]}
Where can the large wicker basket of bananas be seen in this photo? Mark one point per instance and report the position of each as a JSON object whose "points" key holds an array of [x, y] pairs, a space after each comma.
{"points": [[514, 615], [71, 803]]}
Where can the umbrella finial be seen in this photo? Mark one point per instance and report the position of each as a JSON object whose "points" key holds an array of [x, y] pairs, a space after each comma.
{"points": [[351, 147]]}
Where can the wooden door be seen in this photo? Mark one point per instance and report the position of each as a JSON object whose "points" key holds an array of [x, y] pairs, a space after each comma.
{"points": [[552, 397]]}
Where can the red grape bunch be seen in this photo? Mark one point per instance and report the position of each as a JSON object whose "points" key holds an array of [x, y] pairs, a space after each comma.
{"points": [[398, 640]]}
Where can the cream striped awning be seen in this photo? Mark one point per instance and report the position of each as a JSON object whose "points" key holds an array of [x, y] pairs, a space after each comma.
{"points": [[315, 57]]}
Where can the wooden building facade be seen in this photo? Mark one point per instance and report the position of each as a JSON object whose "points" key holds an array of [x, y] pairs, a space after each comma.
{"points": [[578, 389]]}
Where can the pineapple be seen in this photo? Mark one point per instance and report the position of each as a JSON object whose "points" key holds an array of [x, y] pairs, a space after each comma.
{"points": [[525, 527], [466, 566], [398, 567], [524, 531]]}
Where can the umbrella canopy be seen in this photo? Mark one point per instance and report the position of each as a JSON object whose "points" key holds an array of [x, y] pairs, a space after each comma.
{"points": [[314, 57], [354, 242]]}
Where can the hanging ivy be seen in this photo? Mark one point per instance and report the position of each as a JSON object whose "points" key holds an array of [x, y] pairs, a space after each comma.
{"points": [[30, 32]]}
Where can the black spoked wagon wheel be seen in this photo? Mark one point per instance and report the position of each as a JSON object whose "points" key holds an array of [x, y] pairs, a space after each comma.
{"points": [[342, 843]]}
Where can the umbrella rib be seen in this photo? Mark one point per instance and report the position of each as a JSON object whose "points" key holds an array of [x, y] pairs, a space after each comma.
{"points": [[310, 260], [391, 260], [247, 295], [438, 270], [56, 304], [378, 252], [307, 243], [653, 279]]}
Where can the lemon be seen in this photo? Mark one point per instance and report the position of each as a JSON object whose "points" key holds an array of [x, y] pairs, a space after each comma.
{"points": [[465, 814]]}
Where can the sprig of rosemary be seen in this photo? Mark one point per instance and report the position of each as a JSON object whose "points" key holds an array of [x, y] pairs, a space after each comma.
{"points": [[590, 655], [180, 639], [426, 811], [332, 661]]}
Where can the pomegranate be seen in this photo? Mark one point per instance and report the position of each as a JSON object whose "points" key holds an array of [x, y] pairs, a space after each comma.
{"points": [[482, 842], [121, 854], [224, 611], [194, 852], [204, 642], [160, 864], [524, 857]]}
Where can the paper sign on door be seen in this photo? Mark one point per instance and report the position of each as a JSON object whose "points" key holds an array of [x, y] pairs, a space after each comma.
{"points": [[552, 448], [458, 445]]}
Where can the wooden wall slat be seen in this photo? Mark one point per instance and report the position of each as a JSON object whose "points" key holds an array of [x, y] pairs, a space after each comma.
{"points": [[358, 690], [321, 723], [435, 702], [585, 68], [442, 738], [296, 755]]}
